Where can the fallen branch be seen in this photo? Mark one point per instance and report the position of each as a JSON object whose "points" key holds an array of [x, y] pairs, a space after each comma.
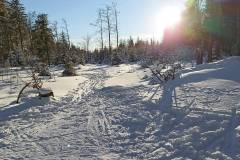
{"points": [[156, 75], [20, 93], [35, 83]]}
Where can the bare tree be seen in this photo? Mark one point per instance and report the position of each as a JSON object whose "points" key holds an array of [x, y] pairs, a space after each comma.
{"points": [[86, 45], [108, 18], [30, 23], [115, 12], [55, 30], [67, 32], [86, 41], [99, 25], [100, 21], [56, 39]]}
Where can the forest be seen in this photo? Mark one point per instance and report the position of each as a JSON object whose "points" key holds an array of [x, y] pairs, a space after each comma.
{"points": [[208, 27], [117, 96]]}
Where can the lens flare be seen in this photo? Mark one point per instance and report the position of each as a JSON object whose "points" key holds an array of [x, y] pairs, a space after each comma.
{"points": [[167, 17]]}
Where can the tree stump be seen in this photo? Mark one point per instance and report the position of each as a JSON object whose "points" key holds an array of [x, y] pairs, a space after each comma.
{"points": [[43, 92]]}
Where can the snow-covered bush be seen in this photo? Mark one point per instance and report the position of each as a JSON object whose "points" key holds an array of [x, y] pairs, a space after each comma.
{"points": [[69, 69], [132, 56], [16, 58], [145, 63], [44, 70], [116, 60]]}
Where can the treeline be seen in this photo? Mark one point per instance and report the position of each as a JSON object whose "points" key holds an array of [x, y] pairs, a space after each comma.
{"points": [[211, 27], [30, 38]]}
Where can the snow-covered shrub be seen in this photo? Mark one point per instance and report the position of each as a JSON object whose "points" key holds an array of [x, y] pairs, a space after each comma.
{"points": [[16, 58], [145, 63], [177, 66], [116, 60], [132, 57], [44, 70], [69, 69]]}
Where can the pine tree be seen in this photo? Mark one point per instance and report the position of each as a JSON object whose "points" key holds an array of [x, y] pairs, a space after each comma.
{"points": [[64, 50], [43, 38], [19, 25], [193, 29], [5, 28], [31, 18]]}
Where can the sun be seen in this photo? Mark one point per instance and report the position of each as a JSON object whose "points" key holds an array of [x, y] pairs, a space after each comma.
{"points": [[167, 17]]}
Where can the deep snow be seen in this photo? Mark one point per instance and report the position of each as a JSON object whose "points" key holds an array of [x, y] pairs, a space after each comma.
{"points": [[118, 113]]}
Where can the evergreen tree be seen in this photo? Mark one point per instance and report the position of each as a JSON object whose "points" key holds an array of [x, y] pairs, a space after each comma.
{"points": [[19, 25], [43, 38], [64, 50], [31, 18], [192, 26], [5, 31], [130, 43]]}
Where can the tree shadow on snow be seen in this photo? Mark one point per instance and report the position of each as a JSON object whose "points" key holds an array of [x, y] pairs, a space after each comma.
{"points": [[14, 110], [134, 116], [216, 71]]}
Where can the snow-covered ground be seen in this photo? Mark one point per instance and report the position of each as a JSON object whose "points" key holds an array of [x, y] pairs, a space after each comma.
{"points": [[117, 113]]}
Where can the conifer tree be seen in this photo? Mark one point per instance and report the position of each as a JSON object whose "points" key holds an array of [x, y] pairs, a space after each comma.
{"points": [[43, 38], [5, 28], [18, 21]]}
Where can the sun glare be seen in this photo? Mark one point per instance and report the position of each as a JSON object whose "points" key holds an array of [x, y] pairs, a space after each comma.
{"points": [[167, 17]]}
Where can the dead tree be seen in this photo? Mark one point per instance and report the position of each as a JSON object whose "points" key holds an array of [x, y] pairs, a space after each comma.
{"points": [[99, 24], [35, 83], [115, 12], [164, 74], [108, 20], [67, 33], [86, 44]]}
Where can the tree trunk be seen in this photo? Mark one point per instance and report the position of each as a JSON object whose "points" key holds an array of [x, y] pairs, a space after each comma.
{"points": [[109, 30], [210, 49], [100, 18], [20, 36], [199, 55], [116, 23], [238, 31]]}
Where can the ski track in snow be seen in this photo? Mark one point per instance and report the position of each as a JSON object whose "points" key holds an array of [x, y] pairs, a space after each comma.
{"points": [[72, 127], [97, 122]]}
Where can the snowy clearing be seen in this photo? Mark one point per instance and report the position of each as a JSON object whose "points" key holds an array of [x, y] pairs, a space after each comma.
{"points": [[116, 113]]}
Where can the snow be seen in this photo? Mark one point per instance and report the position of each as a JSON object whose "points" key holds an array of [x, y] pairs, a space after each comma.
{"points": [[114, 112], [62, 85], [128, 75]]}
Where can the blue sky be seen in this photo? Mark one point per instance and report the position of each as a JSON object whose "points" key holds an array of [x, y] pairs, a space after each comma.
{"points": [[137, 17]]}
